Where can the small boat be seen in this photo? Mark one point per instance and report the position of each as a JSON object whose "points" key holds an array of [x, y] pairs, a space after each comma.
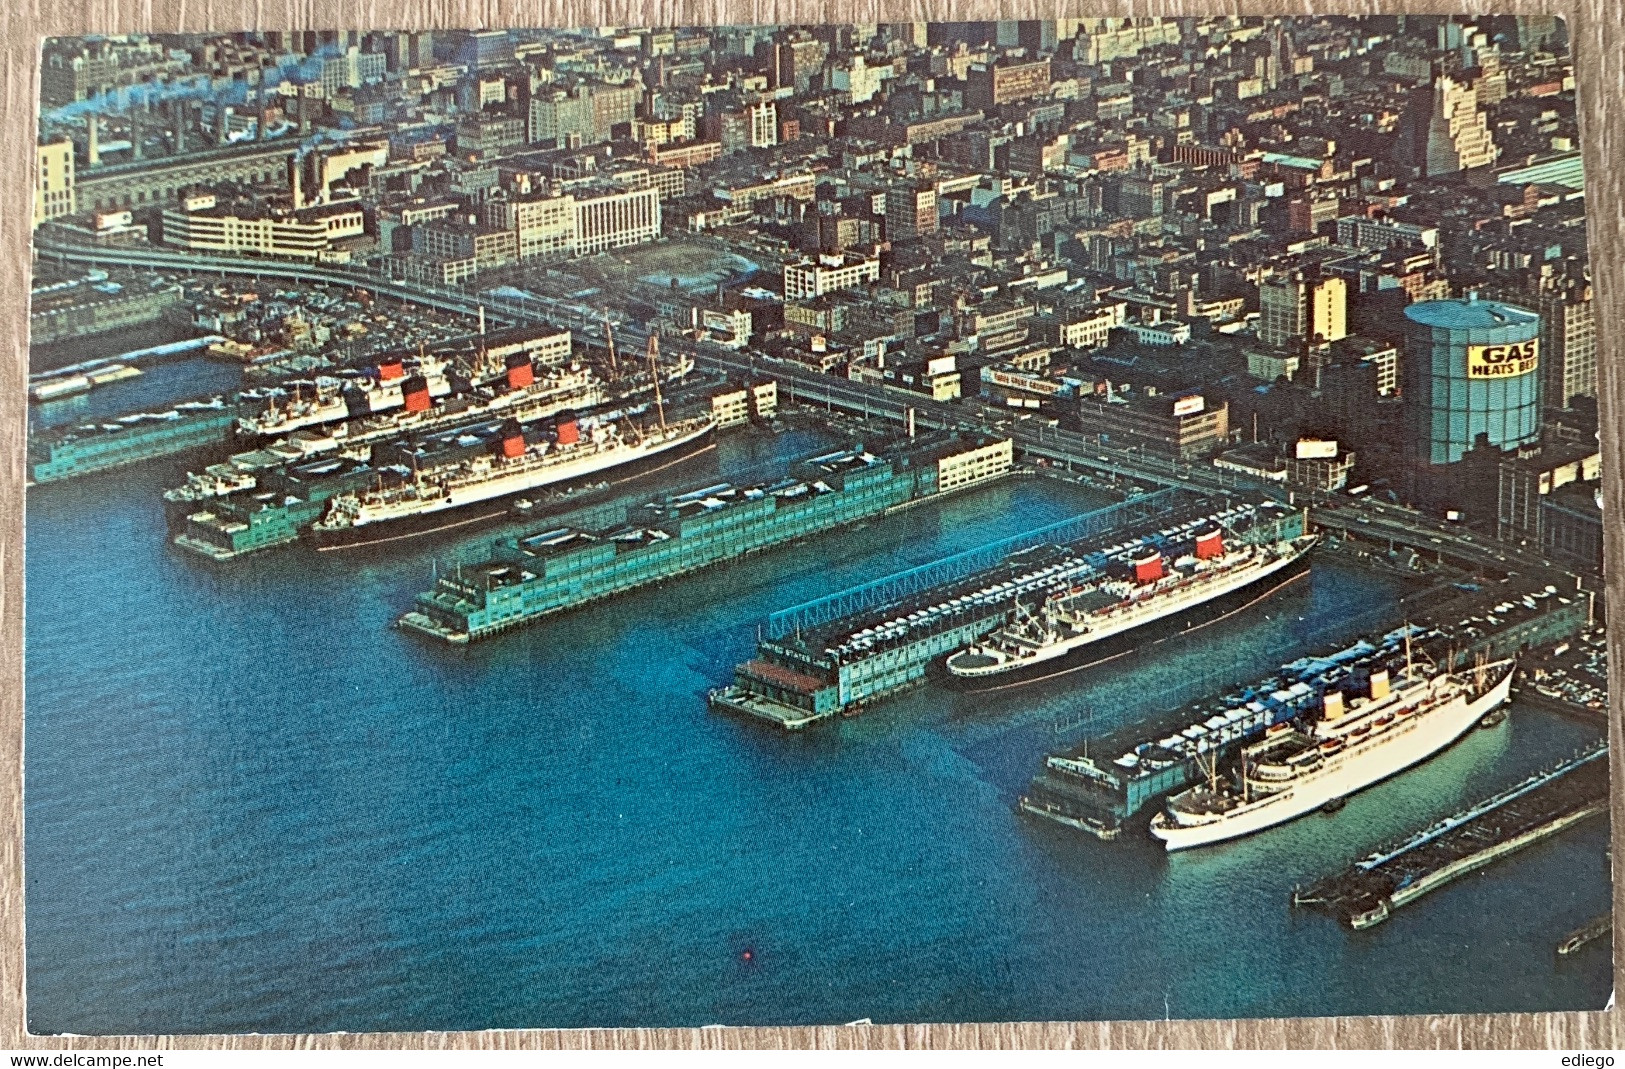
{"points": [[524, 504], [1334, 805]]}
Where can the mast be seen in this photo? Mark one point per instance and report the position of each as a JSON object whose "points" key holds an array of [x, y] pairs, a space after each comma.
{"points": [[609, 335], [654, 376]]}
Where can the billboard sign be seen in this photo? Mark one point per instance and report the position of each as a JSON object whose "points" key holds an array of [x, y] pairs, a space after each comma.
{"points": [[1316, 449], [1189, 406], [1502, 361]]}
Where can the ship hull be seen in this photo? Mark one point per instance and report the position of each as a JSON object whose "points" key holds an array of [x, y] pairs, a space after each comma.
{"points": [[1426, 737], [1136, 639], [492, 509]]}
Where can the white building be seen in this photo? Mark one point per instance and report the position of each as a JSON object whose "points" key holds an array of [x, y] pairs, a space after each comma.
{"points": [[558, 228], [199, 223], [829, 273], [53, 181], [616, 220]]}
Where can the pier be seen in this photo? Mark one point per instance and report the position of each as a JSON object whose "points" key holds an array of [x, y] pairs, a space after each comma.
{"points": [[1367, 892], [836, 655], [1454, 623], [1101, 794]]}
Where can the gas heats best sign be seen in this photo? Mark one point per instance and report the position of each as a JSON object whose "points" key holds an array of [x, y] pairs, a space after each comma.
{"points": [[1502, 361]]}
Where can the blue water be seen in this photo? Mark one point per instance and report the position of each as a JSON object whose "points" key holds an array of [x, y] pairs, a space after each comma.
{"points": [[158, 387], [252, 806]]}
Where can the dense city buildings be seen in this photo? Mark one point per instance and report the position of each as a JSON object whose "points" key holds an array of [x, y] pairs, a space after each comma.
{"points": [[1249, 210], [1237, 207]]}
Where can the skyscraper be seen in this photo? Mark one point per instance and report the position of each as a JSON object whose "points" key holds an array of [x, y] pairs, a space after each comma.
{"points": [[1447, 130]]}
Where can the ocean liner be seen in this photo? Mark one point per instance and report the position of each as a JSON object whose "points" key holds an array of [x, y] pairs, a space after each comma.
{"points": [[522, 392], [1298, 768], [330, 399], [1185, 585], [459, 492]]}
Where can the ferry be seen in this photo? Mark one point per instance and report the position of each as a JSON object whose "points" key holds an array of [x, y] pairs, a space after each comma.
{"points": [[1352, 745]]}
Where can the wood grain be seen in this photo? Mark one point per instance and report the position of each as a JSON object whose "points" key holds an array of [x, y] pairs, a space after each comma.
{"points": [[1597, 33]]}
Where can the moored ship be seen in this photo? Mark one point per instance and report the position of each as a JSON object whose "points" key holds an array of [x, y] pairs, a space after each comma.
{"points": [[328, 399], [1298, 768], [460, 492], [1185, 585], [523, 392]]}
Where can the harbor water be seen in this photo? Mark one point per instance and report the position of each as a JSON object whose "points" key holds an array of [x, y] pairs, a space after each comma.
{"points": [[253, 806]]}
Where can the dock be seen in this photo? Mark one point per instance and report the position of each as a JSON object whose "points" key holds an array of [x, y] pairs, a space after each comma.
{"points": [[1100, 794], [1367, 892], [1454, 624], [839, 654]]}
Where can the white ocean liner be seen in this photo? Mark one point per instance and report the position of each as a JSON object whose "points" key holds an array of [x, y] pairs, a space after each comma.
{"points": [[553, 390], [1090, 612], [487, 477], [1294, 771], [328, 400]]}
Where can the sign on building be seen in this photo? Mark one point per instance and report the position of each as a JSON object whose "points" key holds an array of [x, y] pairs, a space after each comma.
{"points": [[1502, 361]]}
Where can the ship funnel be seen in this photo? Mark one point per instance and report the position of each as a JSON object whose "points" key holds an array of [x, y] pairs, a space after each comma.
{"points": [[513, 440], [568, 432], [1379, 685], [520, 371], [1148, 569], [415, 392], [390, 370], [1334, 704], [1209, 546]]}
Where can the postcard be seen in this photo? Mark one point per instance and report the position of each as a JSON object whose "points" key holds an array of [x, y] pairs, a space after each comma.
{"points": [[1065, 520]]}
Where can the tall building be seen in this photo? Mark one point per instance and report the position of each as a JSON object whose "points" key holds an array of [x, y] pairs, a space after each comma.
{"points": [[1302, 307], [586, 116], [488, 48], [911, 211], [53, 181], [1446, 130], [1568, 331], [764, 123], [1470, 368]]}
